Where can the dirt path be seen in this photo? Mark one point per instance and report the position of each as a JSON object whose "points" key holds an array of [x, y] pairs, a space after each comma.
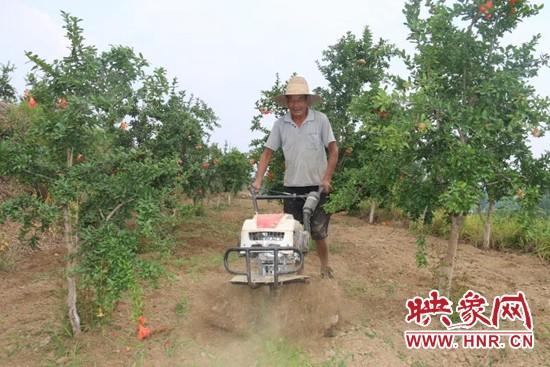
{"points": [[355, 320]]}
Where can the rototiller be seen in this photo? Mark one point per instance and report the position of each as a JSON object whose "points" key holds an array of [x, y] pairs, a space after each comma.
{"points": [[273, 245]]}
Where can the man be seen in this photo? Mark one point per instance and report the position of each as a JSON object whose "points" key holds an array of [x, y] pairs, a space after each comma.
{"points": [[304, 135]]}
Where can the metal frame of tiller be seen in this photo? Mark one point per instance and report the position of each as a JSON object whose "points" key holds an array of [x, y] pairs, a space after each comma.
{"points": [[275, 250], [276, 272]]}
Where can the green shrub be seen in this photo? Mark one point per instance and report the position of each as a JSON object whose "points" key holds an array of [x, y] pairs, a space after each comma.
{"points": [[472, 231], [538, 235], [440, 225], [507, 232]]}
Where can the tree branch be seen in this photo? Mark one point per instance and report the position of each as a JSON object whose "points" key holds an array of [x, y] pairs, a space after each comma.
{"points": [[113, 212]]}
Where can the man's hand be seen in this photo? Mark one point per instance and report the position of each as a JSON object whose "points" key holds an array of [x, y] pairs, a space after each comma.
{"points": [[331, 166], [327, 187], [257, 184], [262, 167]]}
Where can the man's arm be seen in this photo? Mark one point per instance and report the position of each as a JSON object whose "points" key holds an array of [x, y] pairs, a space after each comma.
{"points": [[331, 166], [262, 167]]}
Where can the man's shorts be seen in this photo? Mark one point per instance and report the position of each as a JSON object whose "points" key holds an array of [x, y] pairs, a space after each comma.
{"points": [[320, 219]]}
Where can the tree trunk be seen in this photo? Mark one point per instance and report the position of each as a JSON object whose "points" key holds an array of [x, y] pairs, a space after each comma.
{"points": [[371, 212], [447, 264], [488, 226], [228, 198], [423, 222], [71, 241]]}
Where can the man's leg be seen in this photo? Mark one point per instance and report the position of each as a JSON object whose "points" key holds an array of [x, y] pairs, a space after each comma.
{"points": [[322, 251], [319, 232]]}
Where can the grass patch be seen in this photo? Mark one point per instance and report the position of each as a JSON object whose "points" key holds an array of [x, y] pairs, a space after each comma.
{"points": [[186, 211], [506, 231], [370, 333], [355, 288], [336, 247], [7, 261], [280, 353], [67, 351], [8, 255], [509, 231], [543, 332], [182, 307], [196, 227], [389, 342], [390, 289], [418, 363], [381, 214], [539, 236], [440, 225], [196, 265], [335, 361], [312, 246]]}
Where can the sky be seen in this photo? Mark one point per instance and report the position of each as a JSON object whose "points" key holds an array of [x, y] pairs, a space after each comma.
{"points": [[223, 52]]}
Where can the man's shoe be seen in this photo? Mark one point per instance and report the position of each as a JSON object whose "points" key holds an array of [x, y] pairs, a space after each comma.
{"points": [[327, 273]]}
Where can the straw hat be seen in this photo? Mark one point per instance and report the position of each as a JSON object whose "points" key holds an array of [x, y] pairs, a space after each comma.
{"points": [[297, 85]]}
